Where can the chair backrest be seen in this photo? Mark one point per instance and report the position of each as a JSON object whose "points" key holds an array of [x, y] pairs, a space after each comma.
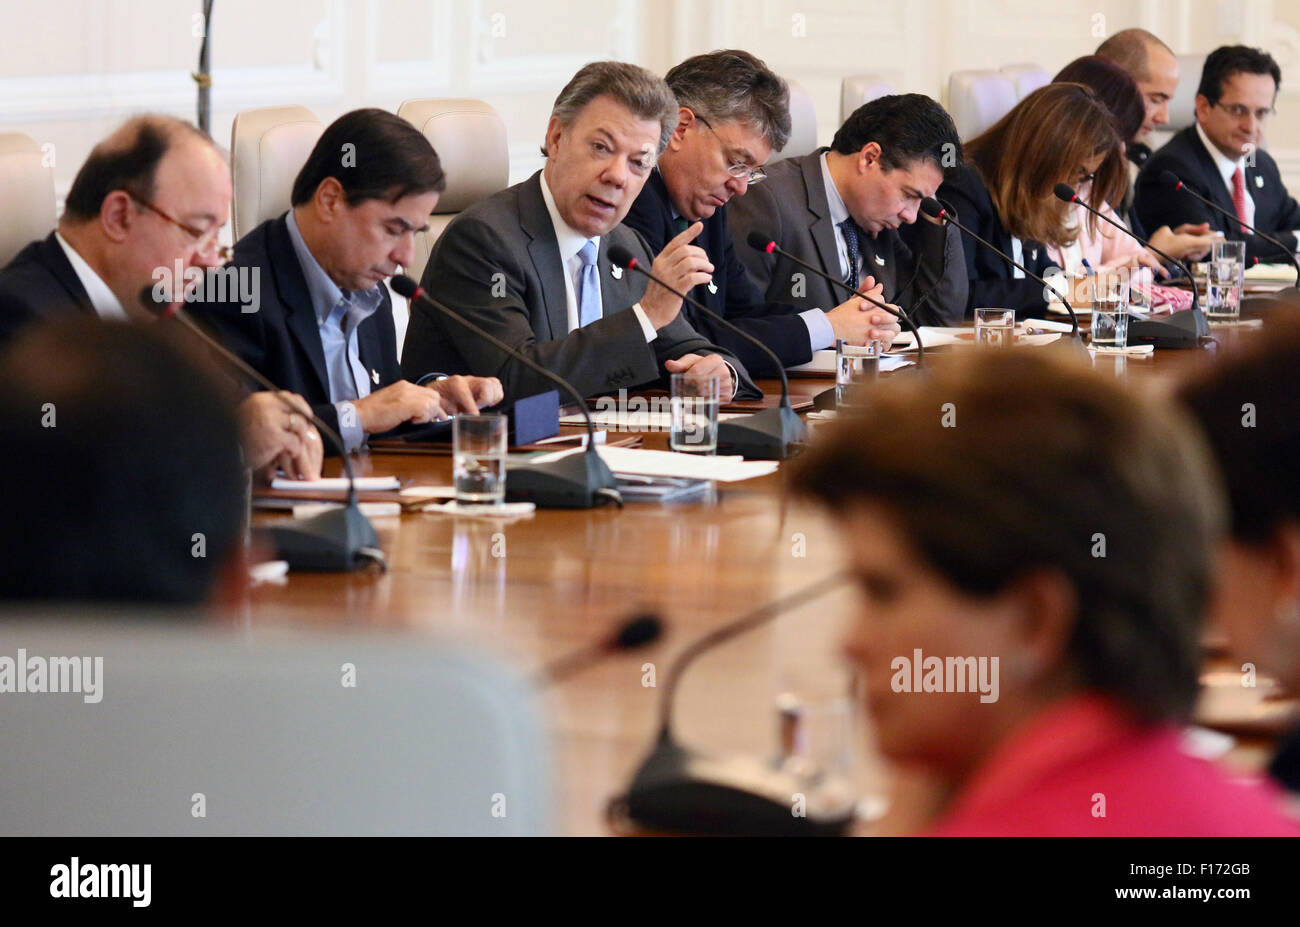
{"points": [[204, 731], [268, 147], [803, 125], [1026, 78], [977, 99], [470, 138], [26, 194], [857, 89]]}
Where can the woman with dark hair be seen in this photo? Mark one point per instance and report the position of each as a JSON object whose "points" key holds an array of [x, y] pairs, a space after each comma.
{"points": [[1029, 626], [1110, 248], [1249, 407], [1060, 133]]}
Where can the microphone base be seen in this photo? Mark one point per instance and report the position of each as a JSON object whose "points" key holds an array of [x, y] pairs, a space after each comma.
{"points": [[329, 542], [773, 434], [572, 482], [1183, 329], [677, 790]]}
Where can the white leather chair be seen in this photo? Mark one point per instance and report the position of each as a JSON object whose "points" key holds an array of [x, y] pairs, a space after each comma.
{"points": [[259, 732], [977, 99], [803, 125], [857, 89], [26, 194], [268, 147], [1026, 78], [470, 138]]}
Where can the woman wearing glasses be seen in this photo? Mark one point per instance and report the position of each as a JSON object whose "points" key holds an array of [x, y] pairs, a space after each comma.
{"points": [[1060, 133]]}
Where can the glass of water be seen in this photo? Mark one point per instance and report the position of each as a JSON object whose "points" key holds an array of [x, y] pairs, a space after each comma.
{"points": [[995, 328], [1226, 272], [479, 459], [1109, 311], [856, 366], [694, 414]]}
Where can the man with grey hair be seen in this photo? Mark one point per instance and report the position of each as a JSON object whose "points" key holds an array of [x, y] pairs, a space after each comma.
{"points": [[530, 264], [732, 114]]}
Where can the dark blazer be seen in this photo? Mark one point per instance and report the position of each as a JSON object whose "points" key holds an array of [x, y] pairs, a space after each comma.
{"points": [[499, 265], [1157, 203], [281, 339], [734, 297], [39, 283], [991, 281], [923, 269]]}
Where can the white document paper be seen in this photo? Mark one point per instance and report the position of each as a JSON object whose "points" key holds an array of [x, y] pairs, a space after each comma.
{"points": [[335, 483], [724, 469], [635, 419]]}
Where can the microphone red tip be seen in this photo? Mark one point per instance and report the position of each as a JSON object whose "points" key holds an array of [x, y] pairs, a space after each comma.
{"points": [[631, 265], [771, 246]]}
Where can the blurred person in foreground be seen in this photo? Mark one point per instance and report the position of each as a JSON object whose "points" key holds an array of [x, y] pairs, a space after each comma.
{"points": [[1249, 408], [1073, 546], [124, 467]]}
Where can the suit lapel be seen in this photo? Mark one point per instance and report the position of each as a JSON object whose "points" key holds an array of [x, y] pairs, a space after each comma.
{"points": [[53, 257], [1217, 189], [823, 233], [544, 251], [291, 285]]}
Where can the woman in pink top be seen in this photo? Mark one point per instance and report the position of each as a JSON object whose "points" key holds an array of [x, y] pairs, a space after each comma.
{"points": [[1033, 546]]}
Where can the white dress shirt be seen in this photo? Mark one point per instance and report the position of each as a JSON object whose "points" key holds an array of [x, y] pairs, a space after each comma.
{"points": [[106, 304]]}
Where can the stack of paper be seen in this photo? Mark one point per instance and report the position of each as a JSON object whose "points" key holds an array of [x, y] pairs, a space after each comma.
{"points": [[724, 469], [636, 419], [337, 483]]}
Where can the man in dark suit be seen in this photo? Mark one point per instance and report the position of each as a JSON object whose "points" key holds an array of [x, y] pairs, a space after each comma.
{"points": [[323, 323], [1220, 158], [147, 205], [733, 113], [852, 211], [530, 263]]}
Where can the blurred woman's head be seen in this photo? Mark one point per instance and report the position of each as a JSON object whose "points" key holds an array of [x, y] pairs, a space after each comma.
{"points": [[1249, 407], [1060, 133], [1017, 505], [1114, 87]]}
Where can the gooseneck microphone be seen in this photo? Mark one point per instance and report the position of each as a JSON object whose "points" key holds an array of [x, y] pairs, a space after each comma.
{"points": [[760, 241], [1171, 178], [934, 209], [1165, 333], [576, 481], [339, 539], [772, 434], [637, 631], [682, 790]]}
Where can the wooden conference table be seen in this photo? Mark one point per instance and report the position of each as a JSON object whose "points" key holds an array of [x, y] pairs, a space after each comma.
{"points": [[533, 589]]}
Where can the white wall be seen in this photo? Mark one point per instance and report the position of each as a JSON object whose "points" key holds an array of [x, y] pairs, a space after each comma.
{"points": [[71, 69]]}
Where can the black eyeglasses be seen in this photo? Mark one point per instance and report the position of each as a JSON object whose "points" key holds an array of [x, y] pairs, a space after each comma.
{"points": [[738, 170], [1240, 111], [204, 240]]}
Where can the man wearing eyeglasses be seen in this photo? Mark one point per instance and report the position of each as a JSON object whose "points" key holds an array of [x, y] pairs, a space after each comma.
{"points": [[1220, 158], [733, 114], [151, 197]]}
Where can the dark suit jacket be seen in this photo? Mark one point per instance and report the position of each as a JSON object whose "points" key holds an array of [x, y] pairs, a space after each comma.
{"points": [[39, 283], [499, 265], [281, 339], [923, 269], [1157, 203], [991, 281], [775, 324]]}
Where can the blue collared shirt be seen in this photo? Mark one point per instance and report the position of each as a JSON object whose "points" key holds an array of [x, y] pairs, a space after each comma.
{"points": [[338, 315]]}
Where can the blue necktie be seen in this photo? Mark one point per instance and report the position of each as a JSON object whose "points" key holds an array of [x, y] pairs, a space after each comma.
{"points": [[588, 286], [850, 230]]}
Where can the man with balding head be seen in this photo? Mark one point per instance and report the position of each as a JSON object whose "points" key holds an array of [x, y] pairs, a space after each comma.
{"points": [[1152, 65], [151, 198]]}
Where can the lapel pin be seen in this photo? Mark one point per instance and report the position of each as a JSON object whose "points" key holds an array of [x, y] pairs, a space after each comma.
{"points": [[374, 375], [713, 288], [1259, 180], [880, 261], [616, 272], [1033, 255]]}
